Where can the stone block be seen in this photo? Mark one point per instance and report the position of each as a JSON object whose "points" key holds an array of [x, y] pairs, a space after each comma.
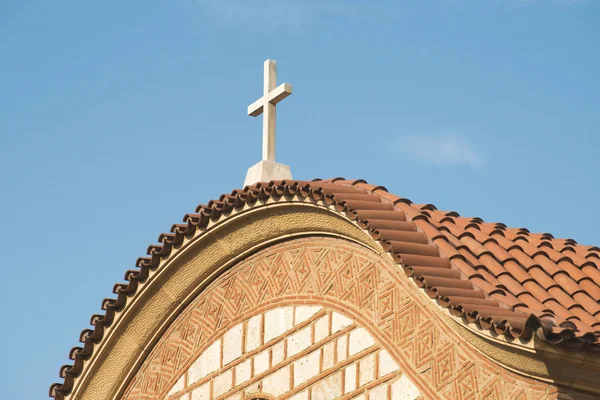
{"points": [[379, 392], [209, 361], [360, 339], [277, 321], [342, 347], [265, 171], [305, 312], [261, 362], [321, 328], [222, 383], [277, 353], [404, 389], [232, 344], [278, 382], [387, 365], [254, 388], [201, 392], [299, 341], [306, 367], [327, 360], [350, 378], [366, 370], [253, 332], [242, 372], [328, 388], [339, 322], [300, 396]]}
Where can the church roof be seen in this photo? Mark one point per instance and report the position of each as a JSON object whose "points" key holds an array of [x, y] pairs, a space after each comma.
{"points": [[508, 281]]}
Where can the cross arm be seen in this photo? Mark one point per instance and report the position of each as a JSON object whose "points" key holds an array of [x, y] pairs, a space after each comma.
{"points": [[280, 92], [256, 108], [275, 96]]}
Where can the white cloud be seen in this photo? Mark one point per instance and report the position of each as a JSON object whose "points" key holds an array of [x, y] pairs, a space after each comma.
{"points": [[444, 149], [275, 13]]}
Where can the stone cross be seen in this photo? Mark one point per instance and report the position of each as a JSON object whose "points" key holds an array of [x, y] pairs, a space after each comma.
{"points": [[268, 169], [267, 105]]}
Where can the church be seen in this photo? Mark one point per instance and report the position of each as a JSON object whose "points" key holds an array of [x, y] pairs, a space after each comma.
{"points": [[337, 289]]}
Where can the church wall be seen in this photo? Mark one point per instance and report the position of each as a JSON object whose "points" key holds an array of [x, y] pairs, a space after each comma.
{"points": [[295, 352], [341, 279]]}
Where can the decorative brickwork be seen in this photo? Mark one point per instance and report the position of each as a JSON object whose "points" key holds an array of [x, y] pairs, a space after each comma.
{"points": [[294, 352], [343, 281]]}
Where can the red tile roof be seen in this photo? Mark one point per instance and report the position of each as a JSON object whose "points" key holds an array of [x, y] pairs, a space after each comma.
{"points": [[506, 280]]}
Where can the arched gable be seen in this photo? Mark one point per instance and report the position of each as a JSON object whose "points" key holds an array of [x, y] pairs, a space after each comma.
{"points": [[236, 226], [351, 298]]}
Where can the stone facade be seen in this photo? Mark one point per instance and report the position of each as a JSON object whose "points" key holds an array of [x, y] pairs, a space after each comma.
{"points": [[319, 318], [294, 352]]}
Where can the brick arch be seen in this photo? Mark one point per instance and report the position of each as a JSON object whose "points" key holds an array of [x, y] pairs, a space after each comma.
{"points": [[349, 279]]}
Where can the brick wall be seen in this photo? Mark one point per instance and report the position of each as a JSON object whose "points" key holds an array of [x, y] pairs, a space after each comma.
{"points": [[294, 352], [248, 331]]}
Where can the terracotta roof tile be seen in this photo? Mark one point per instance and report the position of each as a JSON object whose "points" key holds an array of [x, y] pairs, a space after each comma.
{"points": [[469, 257], [562, 297], [591, 288], [392, 225], [536, 291], [558, 309], [464, 267], [393, 215], [404, 236], [449, 236], [486, 286], [446, 248], [457, 300], [516, 270], [448, 292], [528, 300], [541, 277], [506, 280], [592, 272], [402, 247]]}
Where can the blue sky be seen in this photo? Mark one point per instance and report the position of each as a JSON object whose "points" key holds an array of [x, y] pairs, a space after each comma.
{"points": [[117, 118]]}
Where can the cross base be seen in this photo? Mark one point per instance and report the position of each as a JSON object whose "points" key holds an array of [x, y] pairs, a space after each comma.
{"points": [[266, 171]]}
